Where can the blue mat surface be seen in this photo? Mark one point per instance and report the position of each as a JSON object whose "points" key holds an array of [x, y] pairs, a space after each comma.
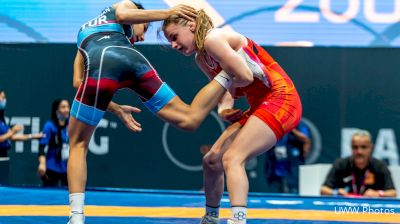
{"points": [[21, 196], [145, 220]]}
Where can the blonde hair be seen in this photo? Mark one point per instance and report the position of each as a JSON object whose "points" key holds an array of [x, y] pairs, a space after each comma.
{"points": [[203, 25]]}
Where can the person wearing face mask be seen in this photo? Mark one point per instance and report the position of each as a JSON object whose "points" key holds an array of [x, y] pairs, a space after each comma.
{"points": [[52, 167], [8, 134], [359, 175]]}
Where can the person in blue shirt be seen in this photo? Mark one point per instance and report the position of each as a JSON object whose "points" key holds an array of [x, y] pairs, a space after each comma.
{"points": [[8, 134], [283, 161], [52, 167]]}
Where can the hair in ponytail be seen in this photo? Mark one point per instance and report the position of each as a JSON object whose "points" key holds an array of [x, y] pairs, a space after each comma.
{"points": [[203, 25]]}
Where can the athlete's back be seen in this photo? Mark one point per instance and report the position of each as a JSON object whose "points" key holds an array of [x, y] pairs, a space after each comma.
{"points": [[105, 23]]}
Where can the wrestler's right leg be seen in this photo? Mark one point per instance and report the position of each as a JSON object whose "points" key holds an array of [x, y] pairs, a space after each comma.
{"points": [[90, 103], [79, 136], [86, 112]]}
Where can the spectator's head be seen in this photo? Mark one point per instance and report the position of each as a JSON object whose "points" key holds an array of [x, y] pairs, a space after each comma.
{"points": [[361, 147], [60, 110]]}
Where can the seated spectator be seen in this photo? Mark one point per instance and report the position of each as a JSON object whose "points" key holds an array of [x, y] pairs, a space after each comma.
{"points": [[52, 167], [360, 174]]}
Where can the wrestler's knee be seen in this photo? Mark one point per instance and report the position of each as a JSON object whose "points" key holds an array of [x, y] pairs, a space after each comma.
{"points": [[231, 160], [212, 161]]}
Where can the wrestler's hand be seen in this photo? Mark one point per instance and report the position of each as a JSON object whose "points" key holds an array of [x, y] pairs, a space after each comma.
{"points": [[125, 114], [184, 11], [231, 115]]}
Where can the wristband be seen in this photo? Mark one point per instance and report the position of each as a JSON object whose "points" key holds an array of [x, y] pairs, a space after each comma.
{"points": [[30, 136], [224, 79], [335, 192]]}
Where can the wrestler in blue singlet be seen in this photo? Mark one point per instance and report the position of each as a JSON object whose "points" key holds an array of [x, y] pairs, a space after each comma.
{"points": [[112, 63]]}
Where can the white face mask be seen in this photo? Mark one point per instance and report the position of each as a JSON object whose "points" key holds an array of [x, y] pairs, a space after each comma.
{"points": [[61, 117], [3, 104]]}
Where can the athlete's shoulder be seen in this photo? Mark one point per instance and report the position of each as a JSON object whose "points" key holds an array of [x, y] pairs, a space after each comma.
{"points": [[214, 35], [214, 39], [218, 36]]}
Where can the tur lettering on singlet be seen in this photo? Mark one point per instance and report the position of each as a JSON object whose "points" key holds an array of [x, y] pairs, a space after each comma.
{"points": [[99, 20], [95, 22]]}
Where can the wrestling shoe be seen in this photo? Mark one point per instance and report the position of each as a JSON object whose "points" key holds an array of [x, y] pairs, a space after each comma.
{"points": [[234, 221], [76, 219], [209, 220]]}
